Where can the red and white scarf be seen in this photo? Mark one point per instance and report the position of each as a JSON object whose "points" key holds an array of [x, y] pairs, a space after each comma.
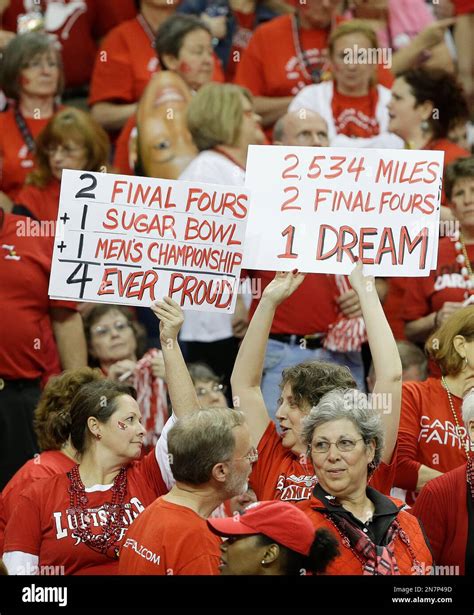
{"points": [[151, 397], [346, 334]]}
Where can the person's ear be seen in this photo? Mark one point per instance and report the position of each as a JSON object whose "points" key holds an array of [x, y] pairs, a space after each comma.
{"points": [[220, 472], [272, 552], [470, 429], [170, 62], [371, 451], [459, 343], [426, 108], [94, 427]]}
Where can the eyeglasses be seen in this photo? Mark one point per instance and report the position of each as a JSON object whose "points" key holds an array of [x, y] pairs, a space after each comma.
{"points": [[345, 445], [252, 457], [65, 149], [216, 388], [103, 330]]}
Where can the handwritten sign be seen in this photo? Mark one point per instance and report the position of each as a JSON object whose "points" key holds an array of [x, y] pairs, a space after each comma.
{"points": [[132, 240], [318, 209]]}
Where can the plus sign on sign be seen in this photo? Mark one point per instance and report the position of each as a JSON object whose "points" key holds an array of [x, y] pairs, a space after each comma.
{"points": [[133, 240]]}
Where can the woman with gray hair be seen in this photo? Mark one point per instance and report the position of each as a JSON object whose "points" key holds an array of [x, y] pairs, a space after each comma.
{"points": [[445, 506], [345, 440]]}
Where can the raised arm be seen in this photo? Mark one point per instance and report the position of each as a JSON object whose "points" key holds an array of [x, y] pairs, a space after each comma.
{"points": [[385, 356], [247, 375], [180, 386]]}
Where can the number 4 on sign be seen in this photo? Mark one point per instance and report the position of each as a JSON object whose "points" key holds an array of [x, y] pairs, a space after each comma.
{"points": [[290, 232], [82, 281]]}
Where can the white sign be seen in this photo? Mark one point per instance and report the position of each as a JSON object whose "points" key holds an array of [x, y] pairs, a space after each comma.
{"points": [[132, 240], [318, 209]]}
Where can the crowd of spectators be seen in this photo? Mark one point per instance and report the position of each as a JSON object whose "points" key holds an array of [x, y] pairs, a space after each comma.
{"points": [[266, 442]]}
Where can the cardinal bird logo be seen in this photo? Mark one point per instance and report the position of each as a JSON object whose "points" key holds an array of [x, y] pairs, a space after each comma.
{"points": [[12, 255]]}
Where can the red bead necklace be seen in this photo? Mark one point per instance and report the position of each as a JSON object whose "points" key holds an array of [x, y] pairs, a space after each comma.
{"points": [[112, 531]]}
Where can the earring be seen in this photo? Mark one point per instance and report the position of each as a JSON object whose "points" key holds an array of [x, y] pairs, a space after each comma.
{"points": [[263, 562], [465, 363], [425, 126], [98, 436]]}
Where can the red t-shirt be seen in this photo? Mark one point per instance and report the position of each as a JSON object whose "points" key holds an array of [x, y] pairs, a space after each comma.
{"points": [[280, 475], [40, 524], [310, 309], [462, 7], [426, 295], [42, 203], [124, 64], [25, 326], [169, 539], [270, 64], [15, 159], [46, 464], [355, 116], [428, 433], [76, 24]]}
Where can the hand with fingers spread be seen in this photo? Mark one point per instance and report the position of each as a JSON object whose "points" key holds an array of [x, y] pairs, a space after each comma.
{"points": [[171, 319], [282, 286]]}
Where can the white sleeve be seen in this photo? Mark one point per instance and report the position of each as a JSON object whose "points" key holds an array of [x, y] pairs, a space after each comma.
{"points": [[161, 453], [305, 99], [21, 563]]}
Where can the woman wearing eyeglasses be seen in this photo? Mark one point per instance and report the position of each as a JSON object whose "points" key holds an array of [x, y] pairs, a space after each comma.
{"points": [[209, 389], [71, 140], [345, 440], [114, 345]]}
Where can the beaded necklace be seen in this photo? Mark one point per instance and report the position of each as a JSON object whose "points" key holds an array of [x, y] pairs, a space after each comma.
{"points": [[470, 476], [464, 440], [78, 501], [463, 259]]}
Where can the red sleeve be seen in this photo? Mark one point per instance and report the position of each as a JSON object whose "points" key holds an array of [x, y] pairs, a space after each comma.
{"points": [[416, 302], [23, 531], [270, 453], [112, 77], [250, 73], [429, 509], [406, 475], [148, 471], [122, 156]]}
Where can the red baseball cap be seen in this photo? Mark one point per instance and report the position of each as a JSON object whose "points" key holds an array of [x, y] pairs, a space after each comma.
{"points": [[280, 521]]}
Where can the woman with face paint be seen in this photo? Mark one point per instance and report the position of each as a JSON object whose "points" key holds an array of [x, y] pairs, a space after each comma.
{"points": [[164, 146], [79, 520], [31, 77]]}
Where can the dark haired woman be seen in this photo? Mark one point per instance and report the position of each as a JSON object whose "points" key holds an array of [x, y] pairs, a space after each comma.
{"points": [[78, 520], [273, 538], [31, 78], [52, 425]]}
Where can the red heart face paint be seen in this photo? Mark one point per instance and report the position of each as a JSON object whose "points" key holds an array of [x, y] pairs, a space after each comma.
{"points": [[184, 68], [121, 425]]}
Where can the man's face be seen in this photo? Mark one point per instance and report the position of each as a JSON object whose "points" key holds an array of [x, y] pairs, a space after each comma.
{"points": [[305, 128]]}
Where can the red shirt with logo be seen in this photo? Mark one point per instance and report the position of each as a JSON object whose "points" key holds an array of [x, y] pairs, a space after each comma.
{"points": [[169, 539], [279, 474], [16, 161], [40, 524], [25, 327], [428, 434], [355, 116], [446, 283]]}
